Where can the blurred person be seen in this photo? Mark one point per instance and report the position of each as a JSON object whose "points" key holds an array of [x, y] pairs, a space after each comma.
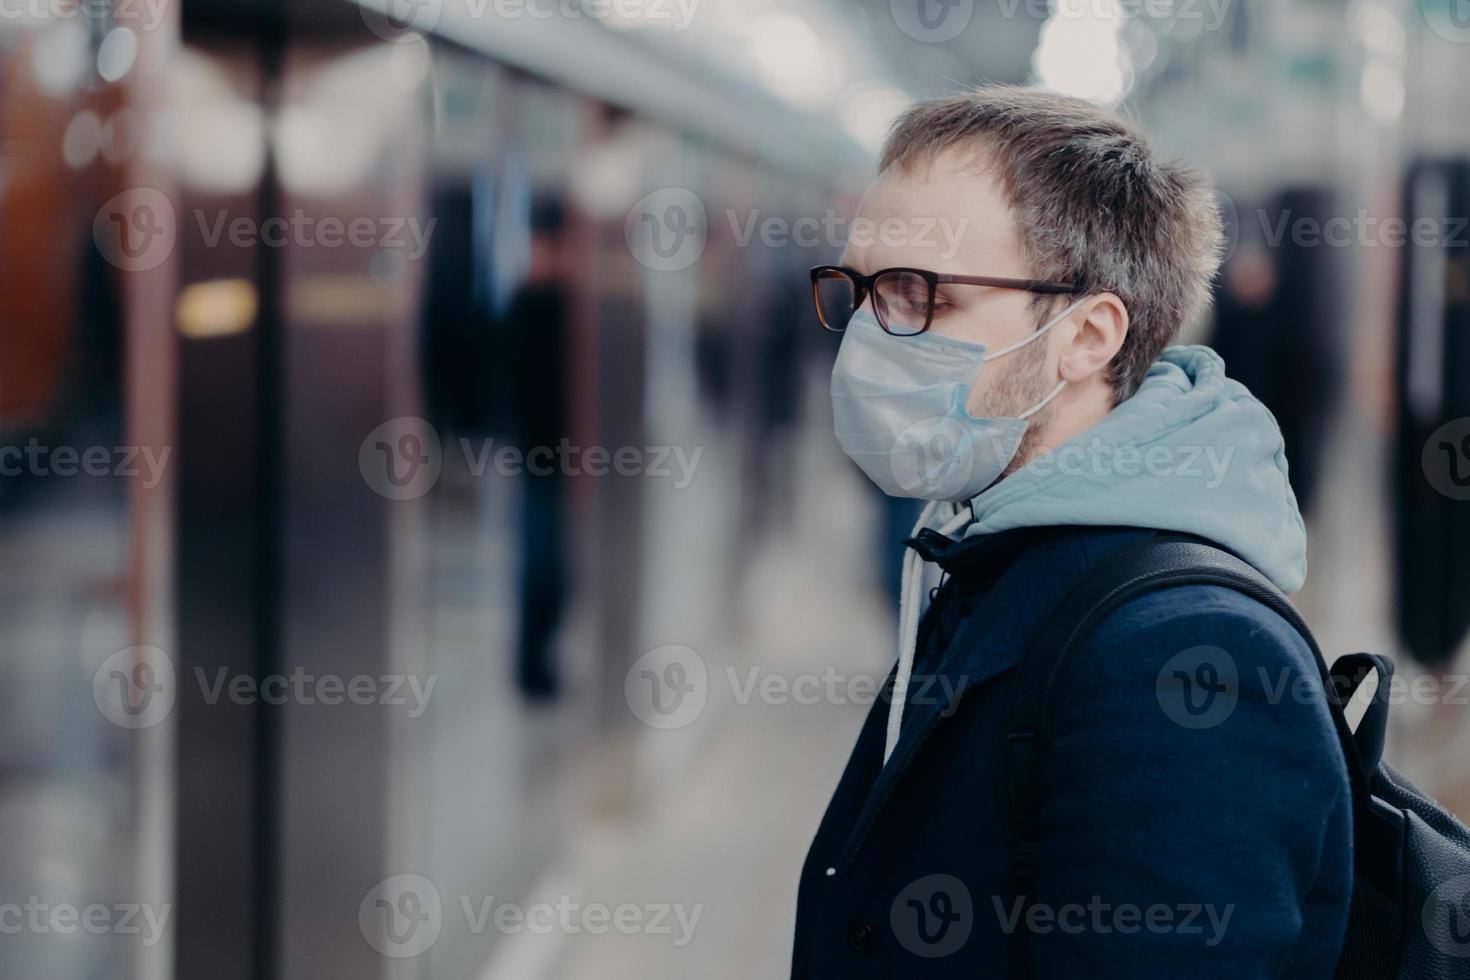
{"points": [[780, 365], [1277, 328], [1022, 383], [535, 328], [465, 374]]}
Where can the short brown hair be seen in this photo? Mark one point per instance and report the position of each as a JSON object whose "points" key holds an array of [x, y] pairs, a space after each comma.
{"points": [[1093, 205]]}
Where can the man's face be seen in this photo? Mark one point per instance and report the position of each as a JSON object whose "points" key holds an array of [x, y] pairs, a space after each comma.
{"points": [[952, 217]]}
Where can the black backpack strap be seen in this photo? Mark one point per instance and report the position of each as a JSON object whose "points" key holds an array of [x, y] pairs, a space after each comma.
{"points": [[1348, 673], [1161, 562]]}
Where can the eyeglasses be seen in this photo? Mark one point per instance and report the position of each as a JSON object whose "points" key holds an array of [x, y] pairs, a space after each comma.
{"points": [[903, 299]]}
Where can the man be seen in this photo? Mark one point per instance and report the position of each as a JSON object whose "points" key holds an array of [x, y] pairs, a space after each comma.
{"points": [[1018, 376], [535, 328]]}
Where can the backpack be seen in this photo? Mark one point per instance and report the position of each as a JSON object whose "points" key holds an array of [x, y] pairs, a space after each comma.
{"points": [[1410, 910]]}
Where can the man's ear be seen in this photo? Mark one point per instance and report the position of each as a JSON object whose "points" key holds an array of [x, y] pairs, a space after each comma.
{"points": [[1102, 324]]}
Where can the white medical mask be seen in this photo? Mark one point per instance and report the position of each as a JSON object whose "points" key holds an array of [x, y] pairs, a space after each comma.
{"points": [[899, 410]]}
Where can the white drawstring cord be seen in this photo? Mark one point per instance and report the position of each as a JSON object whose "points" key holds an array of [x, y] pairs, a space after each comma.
{"points": [[909, 608]]}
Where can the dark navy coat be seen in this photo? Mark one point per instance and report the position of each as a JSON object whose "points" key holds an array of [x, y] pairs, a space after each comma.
{"points": [[1198, 841]]}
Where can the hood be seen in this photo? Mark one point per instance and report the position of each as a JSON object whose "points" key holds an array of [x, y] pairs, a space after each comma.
{"points": [[1191, 451]]}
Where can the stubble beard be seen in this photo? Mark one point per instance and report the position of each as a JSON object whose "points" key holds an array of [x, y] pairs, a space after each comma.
{"points": [[1020, 389]]}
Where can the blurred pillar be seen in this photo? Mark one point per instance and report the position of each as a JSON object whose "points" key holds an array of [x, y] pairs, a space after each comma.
{"points": [[295, 560]]}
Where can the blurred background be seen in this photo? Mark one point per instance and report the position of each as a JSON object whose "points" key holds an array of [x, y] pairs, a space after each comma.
{"points": [[426, 554]]}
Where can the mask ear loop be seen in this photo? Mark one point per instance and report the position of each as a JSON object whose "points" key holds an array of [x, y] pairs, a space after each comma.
{"points": [[1045, 401], [1023, 342]]}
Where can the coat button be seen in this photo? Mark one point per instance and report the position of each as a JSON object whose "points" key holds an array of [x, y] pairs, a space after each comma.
{"points": [[862, 936]]}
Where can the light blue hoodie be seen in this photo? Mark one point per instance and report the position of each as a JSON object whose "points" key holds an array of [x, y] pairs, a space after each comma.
{"points": [[1191, 451]]}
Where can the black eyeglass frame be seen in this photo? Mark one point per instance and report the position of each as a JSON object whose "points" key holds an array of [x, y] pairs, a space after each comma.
{"points": [[863, 287]]}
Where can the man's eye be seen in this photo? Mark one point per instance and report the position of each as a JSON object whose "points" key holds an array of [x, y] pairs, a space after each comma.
{"points": [[909, 302]]}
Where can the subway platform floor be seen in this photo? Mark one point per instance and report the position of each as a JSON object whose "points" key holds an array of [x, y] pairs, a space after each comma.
{"points": [[716, 817]]}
